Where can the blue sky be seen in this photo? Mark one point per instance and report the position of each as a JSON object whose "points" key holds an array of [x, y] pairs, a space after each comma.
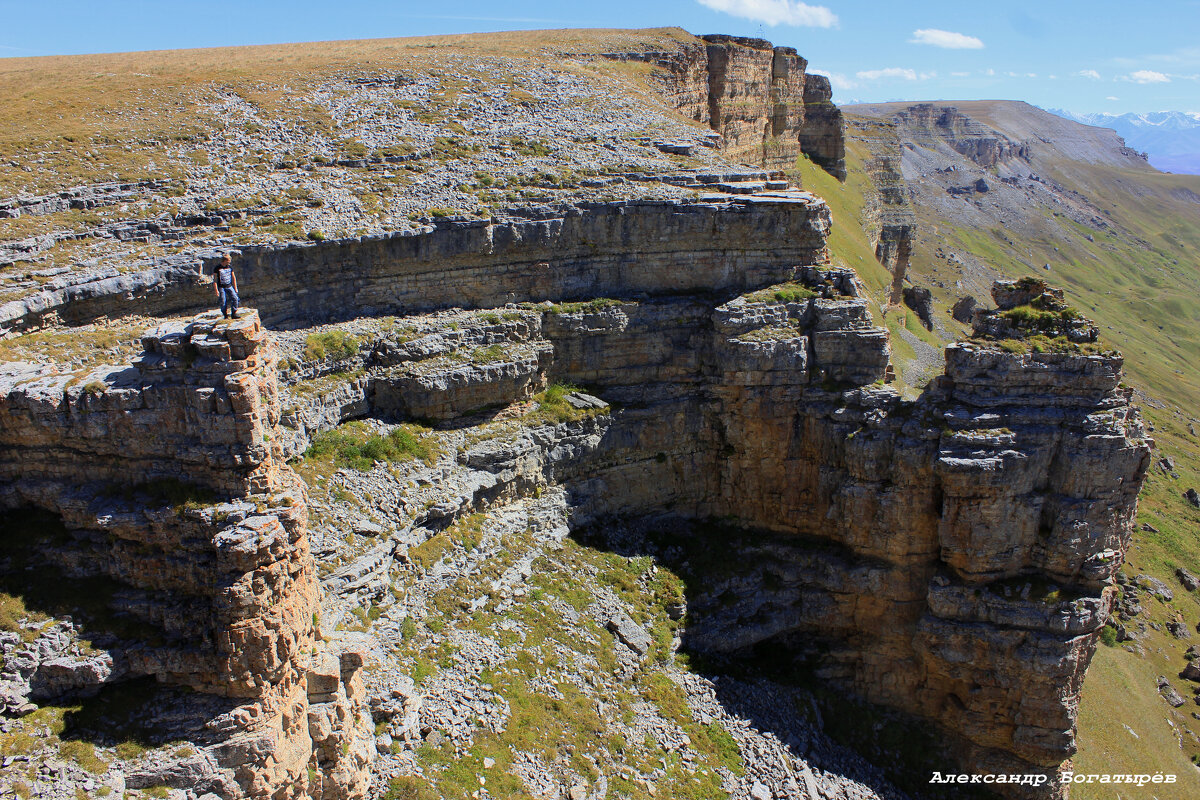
{"points": [[1082, 56]]}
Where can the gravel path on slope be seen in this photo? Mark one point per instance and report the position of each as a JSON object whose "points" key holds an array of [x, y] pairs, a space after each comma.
{"points": [[930, 361]]}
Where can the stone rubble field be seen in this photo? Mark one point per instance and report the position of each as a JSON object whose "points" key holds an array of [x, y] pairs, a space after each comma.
{"points": [[363, 154]]}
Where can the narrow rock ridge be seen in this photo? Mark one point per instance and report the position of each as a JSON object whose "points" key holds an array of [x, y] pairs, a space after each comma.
{"points": [[947, 557], [888, 211]]}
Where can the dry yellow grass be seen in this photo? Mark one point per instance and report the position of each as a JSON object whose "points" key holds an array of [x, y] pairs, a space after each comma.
{"points": [[79, 119]]}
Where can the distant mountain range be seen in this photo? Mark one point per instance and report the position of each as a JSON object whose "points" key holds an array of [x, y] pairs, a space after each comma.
{"points": [[1171, 138]]}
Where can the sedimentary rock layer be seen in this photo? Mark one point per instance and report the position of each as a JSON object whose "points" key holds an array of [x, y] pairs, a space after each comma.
{"points": [[614, 249], [949, 555], [760, 98], [167, 477], [888, 214], [930, 125]]}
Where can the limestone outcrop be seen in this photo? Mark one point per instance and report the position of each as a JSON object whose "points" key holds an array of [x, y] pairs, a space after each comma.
{"points": [[565, 253], [947, 557], [935, 552], [888, 213], [760, 98], [930, 124], [173, 496]]}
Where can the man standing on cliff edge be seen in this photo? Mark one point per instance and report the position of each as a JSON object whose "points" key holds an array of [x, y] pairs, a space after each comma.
{"points": [[225, 286]]}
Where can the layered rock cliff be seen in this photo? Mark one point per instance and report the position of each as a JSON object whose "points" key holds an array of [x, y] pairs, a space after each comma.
{"points": [[762, 100], [930, 124], [173, 497], [947, 557], [888, 213]]}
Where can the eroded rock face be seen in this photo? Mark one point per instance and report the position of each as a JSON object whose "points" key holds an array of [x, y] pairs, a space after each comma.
{"points": [[949, 554], [760, 98], [823, 135], [887, 211], [986, 147], [169, 479], [566, 253]]}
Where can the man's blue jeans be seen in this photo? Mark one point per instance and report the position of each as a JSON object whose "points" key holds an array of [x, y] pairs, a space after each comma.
{"points": [[229, 301]]}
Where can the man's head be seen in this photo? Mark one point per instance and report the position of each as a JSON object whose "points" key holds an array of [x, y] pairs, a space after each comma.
{"points": [[226, 260]]}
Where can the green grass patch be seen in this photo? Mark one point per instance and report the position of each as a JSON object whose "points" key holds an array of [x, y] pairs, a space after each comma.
{"points": [[84, 754], [353, 446], [553, 408], [326, 383], [335, 345], [596, 304], [782, 293]]}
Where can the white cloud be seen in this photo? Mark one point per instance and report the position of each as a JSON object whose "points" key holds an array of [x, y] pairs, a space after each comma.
{"points": [[836, 79], [1012, 74], [1110, 97], [889, 72], [1148, 76], [960, 74], [989, 72], [776, 12], [947, 39], [1088, 73]]}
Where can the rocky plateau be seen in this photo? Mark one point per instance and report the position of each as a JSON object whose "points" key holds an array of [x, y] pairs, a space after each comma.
{"points": [[601, 492]]}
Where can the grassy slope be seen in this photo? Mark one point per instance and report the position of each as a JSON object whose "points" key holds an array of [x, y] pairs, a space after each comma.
{"points": [[851, 245]]}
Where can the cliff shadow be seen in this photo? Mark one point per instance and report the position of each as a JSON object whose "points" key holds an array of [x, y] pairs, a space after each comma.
{"points": [[69, 648], [760, 629]]}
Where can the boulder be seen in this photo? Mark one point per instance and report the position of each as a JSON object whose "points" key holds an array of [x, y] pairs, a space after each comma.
{"points": [[1178, 630], [1010, 294], [629, 632], [920, 300], [1169, 693], [964, 308], [366, 527], [1189, 581], [61, 676], [323, 676], [1155, 587]]}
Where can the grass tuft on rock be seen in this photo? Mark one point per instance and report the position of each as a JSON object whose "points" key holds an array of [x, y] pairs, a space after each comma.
{"points": [[553, 408], [783, 293], [352, 446], [334, 345]]}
